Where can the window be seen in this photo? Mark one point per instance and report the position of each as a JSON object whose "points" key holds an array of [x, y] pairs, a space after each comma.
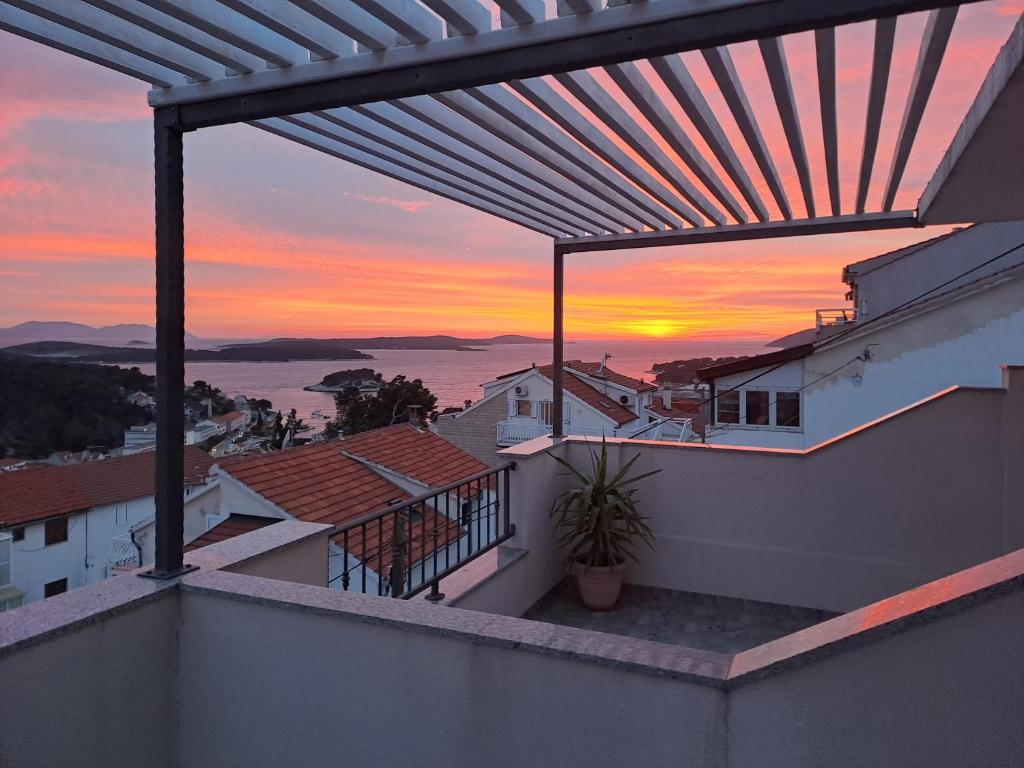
{"points": [[545, 413], [18, 534], [56, 531], [524, 408], [55, 588], [729, 408], [787, 409], [5, 560], [757, 408]]}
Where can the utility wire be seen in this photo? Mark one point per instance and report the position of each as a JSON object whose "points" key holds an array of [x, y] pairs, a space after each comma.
{"points": [[855, 328]]}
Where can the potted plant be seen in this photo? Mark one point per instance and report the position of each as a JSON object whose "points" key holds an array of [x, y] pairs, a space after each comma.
{"points": [[598, 524]]}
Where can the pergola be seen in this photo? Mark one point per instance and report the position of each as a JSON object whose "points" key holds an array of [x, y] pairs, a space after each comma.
{"points": [[502, 105]]}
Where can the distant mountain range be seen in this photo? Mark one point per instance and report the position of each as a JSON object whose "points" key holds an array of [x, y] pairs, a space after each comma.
{"points": [[109, 335], [417, 342]]}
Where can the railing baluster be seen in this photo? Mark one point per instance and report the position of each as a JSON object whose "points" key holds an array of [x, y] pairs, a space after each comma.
{"points": [[478, 501], [380, 556], [344, 573]]}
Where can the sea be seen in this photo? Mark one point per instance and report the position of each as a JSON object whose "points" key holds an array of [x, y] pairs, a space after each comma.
{"points": [[452, 376]]}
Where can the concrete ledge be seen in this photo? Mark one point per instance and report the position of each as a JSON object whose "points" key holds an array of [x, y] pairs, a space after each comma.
{"points": [[628, 654], [44, 620], [468, 579], [932, 601]]}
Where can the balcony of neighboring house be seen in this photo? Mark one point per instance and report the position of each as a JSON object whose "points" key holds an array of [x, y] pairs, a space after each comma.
{"points": [[799, 608], [827, 320]]}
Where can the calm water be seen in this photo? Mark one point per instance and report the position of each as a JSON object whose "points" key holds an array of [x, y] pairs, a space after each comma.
{"points": [[452, 376]]}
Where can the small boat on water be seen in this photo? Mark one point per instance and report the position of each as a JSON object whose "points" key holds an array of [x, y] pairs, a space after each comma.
{"points": [[318, 414]]}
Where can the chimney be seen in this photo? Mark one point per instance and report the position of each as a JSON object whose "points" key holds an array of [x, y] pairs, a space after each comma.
{"points": [[413, 412], [666, 397]]}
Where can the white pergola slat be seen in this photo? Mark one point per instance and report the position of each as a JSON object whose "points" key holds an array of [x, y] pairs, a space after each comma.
{"points": [[684, 89], [475, 173], [720, 63], [583, 86], [575, 167], [885, 36], [557, 109], [426, 180], [933, 48], [825, 56], [774, 56]]}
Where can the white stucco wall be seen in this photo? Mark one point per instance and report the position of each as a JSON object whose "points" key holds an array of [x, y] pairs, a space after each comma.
{"points": [[890, 286], [961, 343], [85, 557]]}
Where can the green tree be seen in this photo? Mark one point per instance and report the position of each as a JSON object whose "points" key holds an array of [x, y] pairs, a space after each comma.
{"points": [[389, 406]]}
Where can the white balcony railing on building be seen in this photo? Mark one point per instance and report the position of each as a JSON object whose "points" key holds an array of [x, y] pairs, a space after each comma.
{"points": [[826, 318], [520, 430]]}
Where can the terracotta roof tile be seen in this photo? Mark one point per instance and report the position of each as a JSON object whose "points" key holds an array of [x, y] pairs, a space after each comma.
{"points": [[591, 369], [593, 397], [418, 454], [29, 496], [227, 418], [235, 525]]}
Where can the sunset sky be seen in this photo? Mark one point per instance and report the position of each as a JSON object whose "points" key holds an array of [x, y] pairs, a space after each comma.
{"points": [[281, 240]]}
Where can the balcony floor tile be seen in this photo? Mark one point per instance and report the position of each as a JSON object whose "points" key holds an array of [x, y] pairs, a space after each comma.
{"points": [[708, 622]]}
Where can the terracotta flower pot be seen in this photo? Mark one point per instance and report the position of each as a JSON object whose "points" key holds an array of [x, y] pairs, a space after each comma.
{"points": [[599, 587]]}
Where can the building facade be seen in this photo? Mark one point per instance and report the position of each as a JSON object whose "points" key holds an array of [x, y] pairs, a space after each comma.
{"points": [[902, 344]]}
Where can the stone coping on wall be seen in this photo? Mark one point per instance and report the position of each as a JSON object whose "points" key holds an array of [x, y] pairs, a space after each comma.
{"points": [[36, 622], [930, 602], [921, 605]]}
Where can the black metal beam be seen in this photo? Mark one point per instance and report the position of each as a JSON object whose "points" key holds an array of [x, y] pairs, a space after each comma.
{"points": [[170, 344], [558, 347], [735, 232], [612, 36]]}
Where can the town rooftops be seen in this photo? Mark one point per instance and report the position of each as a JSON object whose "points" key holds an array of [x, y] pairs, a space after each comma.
{"points": [[338, 482], [227, 418], [234, 525], [575, 384], [591, 369], [36, 494], [414, 453], [316, 483]]}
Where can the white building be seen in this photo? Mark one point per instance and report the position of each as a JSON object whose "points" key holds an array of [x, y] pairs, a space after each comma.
{"points": [[139, 438], [598, 401], [341, 481], [895, 347], [76, 524]]}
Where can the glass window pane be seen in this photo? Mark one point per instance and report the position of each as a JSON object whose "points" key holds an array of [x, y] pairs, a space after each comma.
{"points": [[729, 408], [787, 409], [757, 408], [523, 408], [545, 413]]}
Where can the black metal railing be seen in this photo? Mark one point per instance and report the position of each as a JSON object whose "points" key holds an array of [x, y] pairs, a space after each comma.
{"points": [[412, 545]]}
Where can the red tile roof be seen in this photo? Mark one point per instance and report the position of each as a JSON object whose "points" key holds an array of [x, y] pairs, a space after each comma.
{"points": [[227, 418], [593, 397], [31, 496], [591, 369], [753, 363], [315, 483], [320, 484], [235, 525], [681, 409], [418, 454]]}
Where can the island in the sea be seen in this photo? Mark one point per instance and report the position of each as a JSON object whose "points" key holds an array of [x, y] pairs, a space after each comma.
{"points": [[277, 350], [339, 381], [273, 350]]}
